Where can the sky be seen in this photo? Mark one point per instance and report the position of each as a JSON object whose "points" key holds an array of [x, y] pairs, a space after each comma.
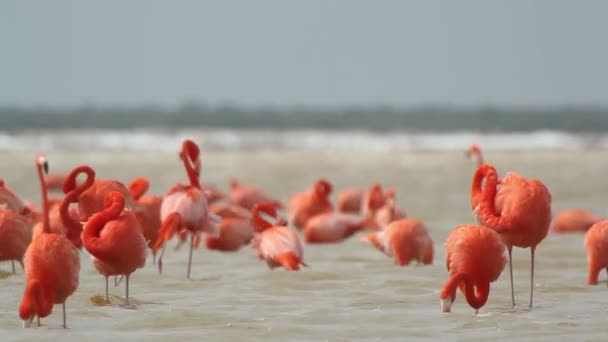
{"points": [[314, 52]]}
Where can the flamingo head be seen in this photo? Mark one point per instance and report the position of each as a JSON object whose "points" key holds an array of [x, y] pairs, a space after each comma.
{"points": [[376, 197], [42, 163], [323, 187], [473, 151]]}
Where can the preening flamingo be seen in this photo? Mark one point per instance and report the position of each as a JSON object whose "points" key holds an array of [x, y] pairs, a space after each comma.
{"points": [[115, 240], [405, 240], [304, 205], [90, 194], [185, 206], [276, 244], [574, 221], [247, 196], [475, 257], [520, 211], [51, 266], [596, 243]]}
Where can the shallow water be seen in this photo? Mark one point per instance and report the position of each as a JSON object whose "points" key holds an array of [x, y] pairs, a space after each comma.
{"points": [[350, 292]]}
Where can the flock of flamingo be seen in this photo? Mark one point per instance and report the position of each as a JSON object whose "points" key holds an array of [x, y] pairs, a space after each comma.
{"points": [[117, 224]]}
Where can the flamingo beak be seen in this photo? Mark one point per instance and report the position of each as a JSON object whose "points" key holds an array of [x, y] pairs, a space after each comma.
{"points": [[446, 305], [28, 322]]}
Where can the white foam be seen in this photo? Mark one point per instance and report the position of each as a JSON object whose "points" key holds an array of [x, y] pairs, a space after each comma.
{"points": [[305, 140]]}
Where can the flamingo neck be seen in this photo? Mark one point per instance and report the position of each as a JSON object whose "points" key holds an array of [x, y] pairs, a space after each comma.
{"points": [[73, 192], [258, 222], [138, 187], [190, 170], [476, 293], [46, 227], [37, 300], [449, 289], [479, 158]]}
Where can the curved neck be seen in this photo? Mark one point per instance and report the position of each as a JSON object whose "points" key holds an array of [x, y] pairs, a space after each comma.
{"points": [[487, 211], [479, 158], [45, 201], [73, 192], [476, 187], [191, 170], [476, 293], [449, 289], [37, 300], [112, 210]]}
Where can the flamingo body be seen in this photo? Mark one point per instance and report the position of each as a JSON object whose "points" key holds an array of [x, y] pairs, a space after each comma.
{"points": [[574, 221], [15, 235], [280, 247], [596, 243], [405, 240], [349, 200], [234, 233], [332, 227]]}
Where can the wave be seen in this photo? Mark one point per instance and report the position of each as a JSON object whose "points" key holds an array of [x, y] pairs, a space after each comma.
{"points": [[304, 140]]}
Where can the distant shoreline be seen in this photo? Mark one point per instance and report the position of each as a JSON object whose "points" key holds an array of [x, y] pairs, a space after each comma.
{"points": [[374, 119]]}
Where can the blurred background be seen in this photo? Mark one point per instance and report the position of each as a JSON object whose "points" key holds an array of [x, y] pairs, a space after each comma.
{"points": [[315, 75]]}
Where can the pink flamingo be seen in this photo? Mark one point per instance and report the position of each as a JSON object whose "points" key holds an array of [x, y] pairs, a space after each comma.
{"points": [[304, 205]]}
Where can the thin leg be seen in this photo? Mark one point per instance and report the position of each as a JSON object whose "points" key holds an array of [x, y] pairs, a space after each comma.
{"points": [[13, 266], [107, 293], [127, 288], [153, 259], [115, 281], [64, 320], [511, 275], [190, 256], [38, 320], [160, 259], [532, 249], [606, 275]]}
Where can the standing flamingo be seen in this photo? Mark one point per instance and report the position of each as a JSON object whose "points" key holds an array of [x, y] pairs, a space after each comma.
{"points": [[475, 257], [304, 205], [520, 211], [185, 206], [405, 240], [277, 245], [114, 238], [596, 243], [147, 211], [15, 236], [247, 196], [574, 221], [51, 266]]}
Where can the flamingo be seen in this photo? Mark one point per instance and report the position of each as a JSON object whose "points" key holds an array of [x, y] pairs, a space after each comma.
{"points": [[574, 221], [475, 257], [226, 210], [148, 211], [276, 244], [333, 227], [304, 205], [10, 201], [115, 240], [90, 194], [213, 193], [247, 196], [596, 243], [349, 200], [54, 181], [373, 199], [234, 233], [185, 206], [405, 240], [387, 214], [51, 266], [520, 211]]}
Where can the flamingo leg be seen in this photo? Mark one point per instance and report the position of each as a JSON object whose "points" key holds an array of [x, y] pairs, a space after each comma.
{"points": [[153, 259], [38, 320], [190, 255], [116, 282], [107, 293], [65, 326], [511, 275], [532, 249], [13, 266], [127, 289], [160, 260]]}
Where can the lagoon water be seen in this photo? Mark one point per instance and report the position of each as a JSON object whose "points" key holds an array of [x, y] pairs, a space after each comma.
{"points": [[350, 292]]}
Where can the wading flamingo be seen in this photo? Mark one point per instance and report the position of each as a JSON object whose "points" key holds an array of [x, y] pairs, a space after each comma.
{"points": [[147, 211], [234, 233], [15, 236], [520, 211], [334, 227], [387, 214], [276, 244], [574, 221], [247, 196], [115, 240], [475, 257], [304, 205], [596, 243], [185, 206], [405, 240], [51, 266]]}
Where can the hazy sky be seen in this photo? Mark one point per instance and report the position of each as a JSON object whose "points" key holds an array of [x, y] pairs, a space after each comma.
{"points": [[323, 52]]}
